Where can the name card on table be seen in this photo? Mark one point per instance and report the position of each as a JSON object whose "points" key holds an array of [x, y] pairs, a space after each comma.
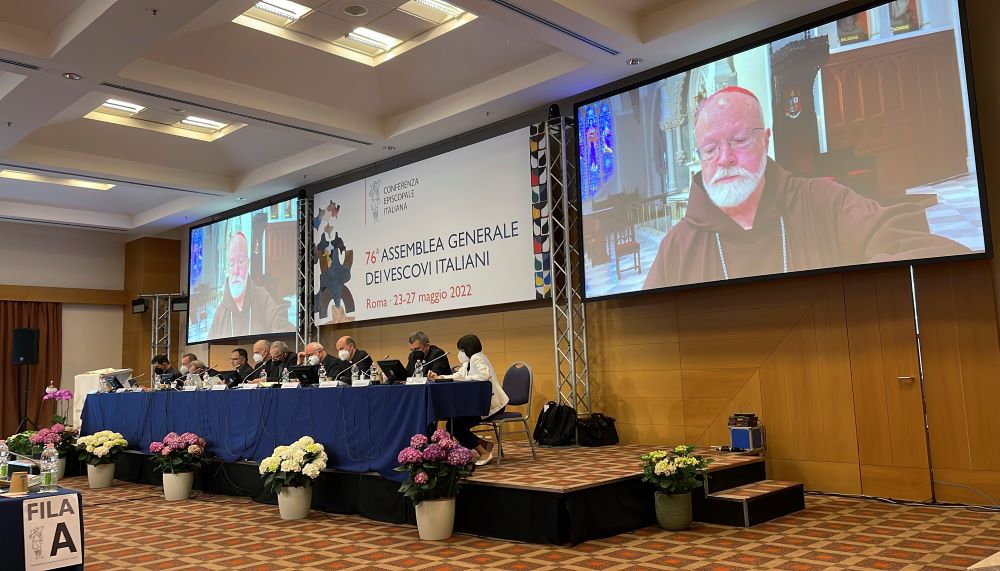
{"points": [[331, 384], [290, 385], [189, 388], [247, 386], [218, 387], [52, 535], [121, 390], [361, 382], [416, 380]]}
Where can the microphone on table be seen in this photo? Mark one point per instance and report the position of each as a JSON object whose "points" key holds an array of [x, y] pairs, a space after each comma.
{"points": [[352, 365], [446, 353], [251, 373], [27, 459]]}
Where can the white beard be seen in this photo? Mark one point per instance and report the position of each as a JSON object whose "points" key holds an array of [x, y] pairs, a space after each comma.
{"points": [[732, 193]]}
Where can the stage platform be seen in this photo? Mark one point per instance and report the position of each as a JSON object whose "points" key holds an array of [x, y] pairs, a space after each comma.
{"points": [[568, 495]]}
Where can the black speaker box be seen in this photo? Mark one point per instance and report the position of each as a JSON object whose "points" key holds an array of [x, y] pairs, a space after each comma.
{"points": [[25, 348]]}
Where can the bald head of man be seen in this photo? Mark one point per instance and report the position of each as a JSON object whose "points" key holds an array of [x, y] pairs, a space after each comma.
{"points": [[261, 350], [732, 143]]}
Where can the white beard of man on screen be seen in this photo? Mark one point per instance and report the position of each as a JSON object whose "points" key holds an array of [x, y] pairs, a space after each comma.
{"points": [[245, 309], [747, 216]]}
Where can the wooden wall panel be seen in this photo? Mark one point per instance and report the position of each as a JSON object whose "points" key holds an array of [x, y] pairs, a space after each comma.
{"points": [[152, 265]]}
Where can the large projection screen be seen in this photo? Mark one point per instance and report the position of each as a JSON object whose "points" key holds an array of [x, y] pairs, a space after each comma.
{"points": [[847, 144], [458, 230], [242, 275]]}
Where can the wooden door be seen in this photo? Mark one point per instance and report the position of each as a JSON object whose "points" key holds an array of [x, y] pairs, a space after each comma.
{"points": [[889, 412]]}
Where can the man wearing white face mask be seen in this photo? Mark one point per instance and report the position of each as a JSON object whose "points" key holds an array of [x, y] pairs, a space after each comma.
{"points": [[261, 351], [186, 360], [475, 367], [315, 354], [245, 308], [349, 354]]}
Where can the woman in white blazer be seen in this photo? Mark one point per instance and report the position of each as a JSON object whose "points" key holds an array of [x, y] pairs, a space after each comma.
{"points": [[475, 367]]}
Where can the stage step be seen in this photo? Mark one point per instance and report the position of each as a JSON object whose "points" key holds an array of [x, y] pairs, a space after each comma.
{"points": [[750, 504], [730, 471]]}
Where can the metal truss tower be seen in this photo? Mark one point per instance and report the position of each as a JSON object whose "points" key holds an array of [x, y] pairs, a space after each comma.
{"points": [[304, 330], [569, 323]]}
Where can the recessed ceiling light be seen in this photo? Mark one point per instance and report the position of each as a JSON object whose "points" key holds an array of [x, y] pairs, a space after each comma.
{"points": [[32, 177], [355, 10], [374, 39], [388, 148], [71, 75], [441, 6], [634, 61], [203, 123], [283, 9], [120, 105]]}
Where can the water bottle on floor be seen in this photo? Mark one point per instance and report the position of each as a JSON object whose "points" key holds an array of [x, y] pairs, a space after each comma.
{"points": [[50, 465]]}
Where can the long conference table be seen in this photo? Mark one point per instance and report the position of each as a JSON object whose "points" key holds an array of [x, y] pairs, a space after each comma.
{"points": [[362, 428]]}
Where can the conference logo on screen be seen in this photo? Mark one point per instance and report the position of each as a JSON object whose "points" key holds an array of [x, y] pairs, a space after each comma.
{"points": [[373, 199], [396, 197]]}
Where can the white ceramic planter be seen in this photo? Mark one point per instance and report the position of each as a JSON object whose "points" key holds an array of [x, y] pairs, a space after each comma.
{"points": [[177, 486], [60, 469], [435, 518], [101, 476], [293, 503]]}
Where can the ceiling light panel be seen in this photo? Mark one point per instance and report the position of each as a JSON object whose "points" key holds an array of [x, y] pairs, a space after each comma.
{"points": [[202, 124], [74, 182], [378, 40], [119, 106], [278, 12]]}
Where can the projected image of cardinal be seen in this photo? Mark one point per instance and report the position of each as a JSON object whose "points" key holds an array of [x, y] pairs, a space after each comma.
{"points": [[843, 145]]}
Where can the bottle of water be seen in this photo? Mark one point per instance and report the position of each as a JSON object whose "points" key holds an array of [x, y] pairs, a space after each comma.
{"points": [[321, 373], [50, 466], [355, 373], [284, 375], [418, 369], [263, 375], [373, 373], [158, 382], [4, 458]]}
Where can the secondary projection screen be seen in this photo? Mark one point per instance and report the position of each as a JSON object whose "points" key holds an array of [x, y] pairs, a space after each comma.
{"points": [[466, 228], [242, 275], [847, 144]]}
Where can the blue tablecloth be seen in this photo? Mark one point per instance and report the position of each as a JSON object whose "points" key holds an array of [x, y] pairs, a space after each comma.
{"points": [[12, 529], [362, 428]]}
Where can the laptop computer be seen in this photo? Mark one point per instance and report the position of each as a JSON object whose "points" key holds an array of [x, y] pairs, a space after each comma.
{"points": [[394, 371], [305, 374]]}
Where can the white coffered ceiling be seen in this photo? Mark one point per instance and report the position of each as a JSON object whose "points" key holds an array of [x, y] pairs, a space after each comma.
{"points": [[308, 112]]}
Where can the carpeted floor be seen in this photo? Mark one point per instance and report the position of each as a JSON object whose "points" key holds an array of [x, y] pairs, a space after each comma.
{"points": [[130, 527]]}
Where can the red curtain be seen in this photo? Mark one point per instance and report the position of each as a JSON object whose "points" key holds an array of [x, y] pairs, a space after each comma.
{"points": [[47, 318]]}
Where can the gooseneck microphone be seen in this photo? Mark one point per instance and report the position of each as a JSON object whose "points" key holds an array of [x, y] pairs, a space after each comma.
{"points": [[366, 357], [446, 353], [253, 372]]}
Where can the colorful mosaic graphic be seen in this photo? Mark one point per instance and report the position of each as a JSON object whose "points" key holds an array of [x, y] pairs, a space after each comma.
{"points": [[540, 210]]}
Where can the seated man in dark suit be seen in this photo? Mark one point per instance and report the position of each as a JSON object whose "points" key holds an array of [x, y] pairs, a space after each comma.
{"points": [[350, 355], [238, 358], [281, 359], [315, 354], [422, 350], [161, 366]]}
